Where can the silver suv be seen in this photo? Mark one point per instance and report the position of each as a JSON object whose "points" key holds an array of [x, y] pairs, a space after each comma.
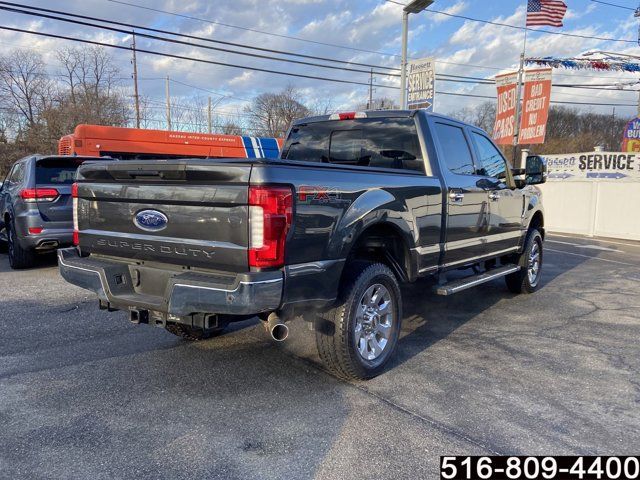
{"points": [[36, 206]]}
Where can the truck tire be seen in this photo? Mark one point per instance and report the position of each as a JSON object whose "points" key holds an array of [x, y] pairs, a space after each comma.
{"points": [[19, 257], [358, 336], [192, 334], [527, 279]]}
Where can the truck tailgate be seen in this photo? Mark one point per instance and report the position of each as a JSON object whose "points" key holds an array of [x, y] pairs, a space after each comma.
{"points": [[188, 213]]}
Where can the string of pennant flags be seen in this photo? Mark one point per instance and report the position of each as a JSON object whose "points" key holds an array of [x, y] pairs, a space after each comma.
{"points": [[618, 64]]}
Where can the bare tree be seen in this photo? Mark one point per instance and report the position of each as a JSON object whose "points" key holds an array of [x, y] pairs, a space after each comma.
{"points": [[322, 106], [482, 115], [382, 103], [25, 88], [568, 129], [229, 127], [92, 93], [271, 113]]}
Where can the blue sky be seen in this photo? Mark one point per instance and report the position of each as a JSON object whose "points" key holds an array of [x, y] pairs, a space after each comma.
{"points": [[461, 47]]}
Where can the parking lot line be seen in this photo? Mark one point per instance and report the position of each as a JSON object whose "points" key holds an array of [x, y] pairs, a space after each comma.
{"points": [[590, 256], [581, 245], [612, 242]]}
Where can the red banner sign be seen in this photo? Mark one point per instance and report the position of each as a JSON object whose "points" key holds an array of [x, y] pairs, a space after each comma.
{"points": [[504, 127], [535, 106]]}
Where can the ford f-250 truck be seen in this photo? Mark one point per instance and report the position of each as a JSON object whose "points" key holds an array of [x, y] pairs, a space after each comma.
{"points": [[357, 204]]}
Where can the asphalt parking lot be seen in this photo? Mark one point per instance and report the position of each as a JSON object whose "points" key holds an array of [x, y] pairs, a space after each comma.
{"points": [[85, 394]]}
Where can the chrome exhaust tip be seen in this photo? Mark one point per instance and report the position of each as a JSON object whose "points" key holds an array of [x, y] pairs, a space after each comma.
{"points": [[276, 328]]}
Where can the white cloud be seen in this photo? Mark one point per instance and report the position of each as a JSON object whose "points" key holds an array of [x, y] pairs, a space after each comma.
{"points": [[367, 24], [455, 9]]}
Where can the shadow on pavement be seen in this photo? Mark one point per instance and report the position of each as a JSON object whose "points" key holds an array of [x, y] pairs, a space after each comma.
{"points": [[429, 318]]}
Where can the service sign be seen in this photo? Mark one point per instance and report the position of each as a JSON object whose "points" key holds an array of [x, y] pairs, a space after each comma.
{"points": [[618, 166], [504, 128], [631, 137], [421, 78], [535, 106]]}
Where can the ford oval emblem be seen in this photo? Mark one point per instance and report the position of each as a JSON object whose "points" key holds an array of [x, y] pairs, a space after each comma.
{"points": [[150, 220]]}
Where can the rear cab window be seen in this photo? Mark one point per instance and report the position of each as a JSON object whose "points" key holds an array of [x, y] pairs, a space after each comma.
{"points": [[389, 142], [57, 171]]}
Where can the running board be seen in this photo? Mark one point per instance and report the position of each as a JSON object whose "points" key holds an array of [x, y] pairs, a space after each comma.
{"points": [[456, 286]]}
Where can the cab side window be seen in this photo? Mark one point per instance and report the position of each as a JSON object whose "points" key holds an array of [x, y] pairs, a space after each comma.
{"points": [[455, 149], [491, 162]]}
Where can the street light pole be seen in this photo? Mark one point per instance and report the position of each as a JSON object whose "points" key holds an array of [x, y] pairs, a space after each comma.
{"points": [[403, 67], [415, 6]]}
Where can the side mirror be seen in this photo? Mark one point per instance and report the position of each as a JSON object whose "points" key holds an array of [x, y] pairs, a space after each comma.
{"points": [[535, 170], [2, 185]]}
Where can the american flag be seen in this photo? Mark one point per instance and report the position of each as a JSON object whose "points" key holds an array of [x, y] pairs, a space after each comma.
{"points": [[545, 12]]}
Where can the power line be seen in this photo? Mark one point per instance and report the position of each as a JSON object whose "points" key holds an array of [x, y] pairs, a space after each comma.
{"points": [[209, 91], [193, 37], [193, 59], [290, 37], [166, 12], [552, 101], [614, 5], [517, 27], [442, 77], [182, 57], [231, 43], [181, 42]]}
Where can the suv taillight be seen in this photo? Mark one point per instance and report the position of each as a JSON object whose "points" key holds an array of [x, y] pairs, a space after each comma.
{"points": [[270, 216], [74, 196], [39, 194]]}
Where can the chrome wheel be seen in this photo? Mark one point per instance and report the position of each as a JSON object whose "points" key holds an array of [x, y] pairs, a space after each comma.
{"points": [[533, 265], [374, 322]]}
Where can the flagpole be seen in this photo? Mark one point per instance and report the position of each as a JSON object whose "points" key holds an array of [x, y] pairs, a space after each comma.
{"points": [[519, 94]]}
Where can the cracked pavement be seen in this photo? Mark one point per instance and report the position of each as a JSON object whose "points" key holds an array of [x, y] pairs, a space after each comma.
{"points": [[85, 394]]}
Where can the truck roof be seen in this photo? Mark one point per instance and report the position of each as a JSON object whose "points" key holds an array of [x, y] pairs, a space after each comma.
{"points": [[370, 114]]}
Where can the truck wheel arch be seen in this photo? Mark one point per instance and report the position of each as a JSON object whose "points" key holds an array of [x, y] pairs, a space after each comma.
{"points": [[537, 222], [383, 242]]}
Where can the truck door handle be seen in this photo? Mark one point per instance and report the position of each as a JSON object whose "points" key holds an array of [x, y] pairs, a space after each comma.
{"points": [[494, 196], [456, 197]]}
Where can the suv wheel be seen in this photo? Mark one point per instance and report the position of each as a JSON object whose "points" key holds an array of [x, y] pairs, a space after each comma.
{"points": [[358, 336], [18, 257], [527, 279]]}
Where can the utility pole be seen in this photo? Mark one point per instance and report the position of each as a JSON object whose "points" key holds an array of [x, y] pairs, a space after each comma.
{"points": [[168, 105], [209, 114], [135, 81], [370, 104]]}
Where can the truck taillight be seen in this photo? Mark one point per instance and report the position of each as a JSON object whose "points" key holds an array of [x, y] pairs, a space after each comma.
{"points": [[39, 194], [74, 196], [347, 115], [270, 216]]}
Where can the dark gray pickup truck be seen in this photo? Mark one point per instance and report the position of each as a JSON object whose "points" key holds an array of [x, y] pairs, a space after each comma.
{"points": [[357, 204]]}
